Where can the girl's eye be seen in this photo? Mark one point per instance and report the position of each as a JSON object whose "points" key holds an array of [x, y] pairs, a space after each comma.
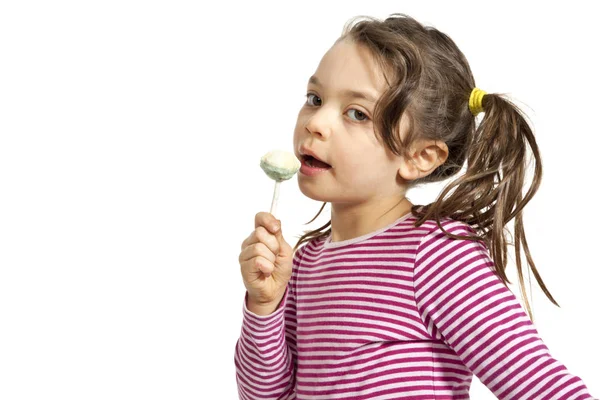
{"points": [[308, 99], [314, 100], [359, 114]]}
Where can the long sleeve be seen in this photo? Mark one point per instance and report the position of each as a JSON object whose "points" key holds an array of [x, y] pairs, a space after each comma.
{"points": [[464, 303], [265, 354]]}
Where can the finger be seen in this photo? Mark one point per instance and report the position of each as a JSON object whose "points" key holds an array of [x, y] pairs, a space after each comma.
{"points": [[267, 220], [268, 239], [261, 235], [263, 265], [257, 250], [273, 226], [249, 240], [251, 271]]}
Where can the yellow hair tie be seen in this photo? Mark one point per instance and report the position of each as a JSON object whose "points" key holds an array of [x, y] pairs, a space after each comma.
{"points": [[475, 101]]}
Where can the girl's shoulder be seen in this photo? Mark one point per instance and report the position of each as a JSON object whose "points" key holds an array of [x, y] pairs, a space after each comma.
{"points": [[447, 233], [431, 227]]}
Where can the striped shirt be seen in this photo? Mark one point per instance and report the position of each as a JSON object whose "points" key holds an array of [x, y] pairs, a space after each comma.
{"points": [[399, 313]]}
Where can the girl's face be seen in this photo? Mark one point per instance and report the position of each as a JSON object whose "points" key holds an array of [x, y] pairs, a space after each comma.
{"points": [[336, 124]]}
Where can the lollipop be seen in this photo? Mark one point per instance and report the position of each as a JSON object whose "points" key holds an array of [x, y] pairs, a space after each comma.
{"points": [[280, 166]]}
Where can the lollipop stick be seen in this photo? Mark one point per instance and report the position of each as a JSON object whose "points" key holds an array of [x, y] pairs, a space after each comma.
{"points": [[275, 197]]}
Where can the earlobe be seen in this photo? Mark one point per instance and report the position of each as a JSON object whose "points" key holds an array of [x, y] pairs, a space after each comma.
{"points": [[408, 169]]}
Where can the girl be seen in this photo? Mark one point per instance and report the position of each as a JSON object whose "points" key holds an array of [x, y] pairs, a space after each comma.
{"points": [[392, 300]]}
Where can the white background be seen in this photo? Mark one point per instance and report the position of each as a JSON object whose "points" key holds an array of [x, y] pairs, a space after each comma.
{"points": [[131, 134]]}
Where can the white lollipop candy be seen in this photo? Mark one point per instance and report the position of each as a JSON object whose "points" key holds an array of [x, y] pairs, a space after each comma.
{"points": [[280, 166]]}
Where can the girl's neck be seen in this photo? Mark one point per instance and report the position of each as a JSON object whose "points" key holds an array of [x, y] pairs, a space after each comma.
{"points": [[351, 221]]}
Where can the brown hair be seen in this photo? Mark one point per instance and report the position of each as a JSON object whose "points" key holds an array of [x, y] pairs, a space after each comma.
{"points": [[430, 79]]}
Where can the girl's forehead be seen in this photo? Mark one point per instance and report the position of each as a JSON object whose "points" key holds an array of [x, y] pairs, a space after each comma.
{"points": [[347, 65]]}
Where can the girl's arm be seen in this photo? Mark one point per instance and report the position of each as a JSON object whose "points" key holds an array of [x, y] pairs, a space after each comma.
{"points": [[461, 298], [265, 354]]}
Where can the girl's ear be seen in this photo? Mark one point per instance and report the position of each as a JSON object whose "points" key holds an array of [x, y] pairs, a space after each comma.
{"points": [[425, 157]]}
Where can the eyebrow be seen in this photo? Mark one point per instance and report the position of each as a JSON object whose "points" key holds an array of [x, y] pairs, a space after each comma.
{"points": [[350, 93]]}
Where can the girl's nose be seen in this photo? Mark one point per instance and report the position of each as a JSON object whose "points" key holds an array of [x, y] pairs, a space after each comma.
{"points": [[320, 122]]}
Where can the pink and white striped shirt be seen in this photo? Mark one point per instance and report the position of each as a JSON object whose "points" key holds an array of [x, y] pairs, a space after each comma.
{"points": [[399, 313]]}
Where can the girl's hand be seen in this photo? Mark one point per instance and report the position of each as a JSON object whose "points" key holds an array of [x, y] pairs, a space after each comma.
{"points": [[266, 264]]}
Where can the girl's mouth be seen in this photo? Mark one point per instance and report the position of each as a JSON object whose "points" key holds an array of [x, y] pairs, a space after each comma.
{"points": [[315, 163], [312, 166]]}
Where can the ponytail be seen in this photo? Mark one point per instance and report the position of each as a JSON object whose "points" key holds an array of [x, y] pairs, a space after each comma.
{"points": [[489, 194]]}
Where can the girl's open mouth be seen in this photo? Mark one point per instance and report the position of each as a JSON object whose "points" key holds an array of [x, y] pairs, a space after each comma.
{"points": [[315, 163], [312, 166]]}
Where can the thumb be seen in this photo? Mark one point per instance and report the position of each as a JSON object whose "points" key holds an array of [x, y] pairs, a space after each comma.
{"points": [[277, 230], [279, 235]]}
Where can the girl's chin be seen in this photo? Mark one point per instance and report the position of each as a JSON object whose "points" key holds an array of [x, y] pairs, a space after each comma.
{"points": [[313, 192]]}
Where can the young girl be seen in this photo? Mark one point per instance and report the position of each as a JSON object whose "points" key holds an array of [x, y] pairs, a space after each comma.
{"points": [[392, 300]]}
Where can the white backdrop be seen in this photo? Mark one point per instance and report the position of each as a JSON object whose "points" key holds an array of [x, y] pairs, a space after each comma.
{"points": [[130, 139]]}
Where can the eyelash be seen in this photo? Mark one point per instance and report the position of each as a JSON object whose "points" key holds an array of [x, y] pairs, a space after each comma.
{"points": [[356, 120]]}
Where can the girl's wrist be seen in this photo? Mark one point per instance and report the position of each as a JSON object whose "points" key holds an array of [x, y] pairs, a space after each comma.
{"points": [[262, 308]]}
